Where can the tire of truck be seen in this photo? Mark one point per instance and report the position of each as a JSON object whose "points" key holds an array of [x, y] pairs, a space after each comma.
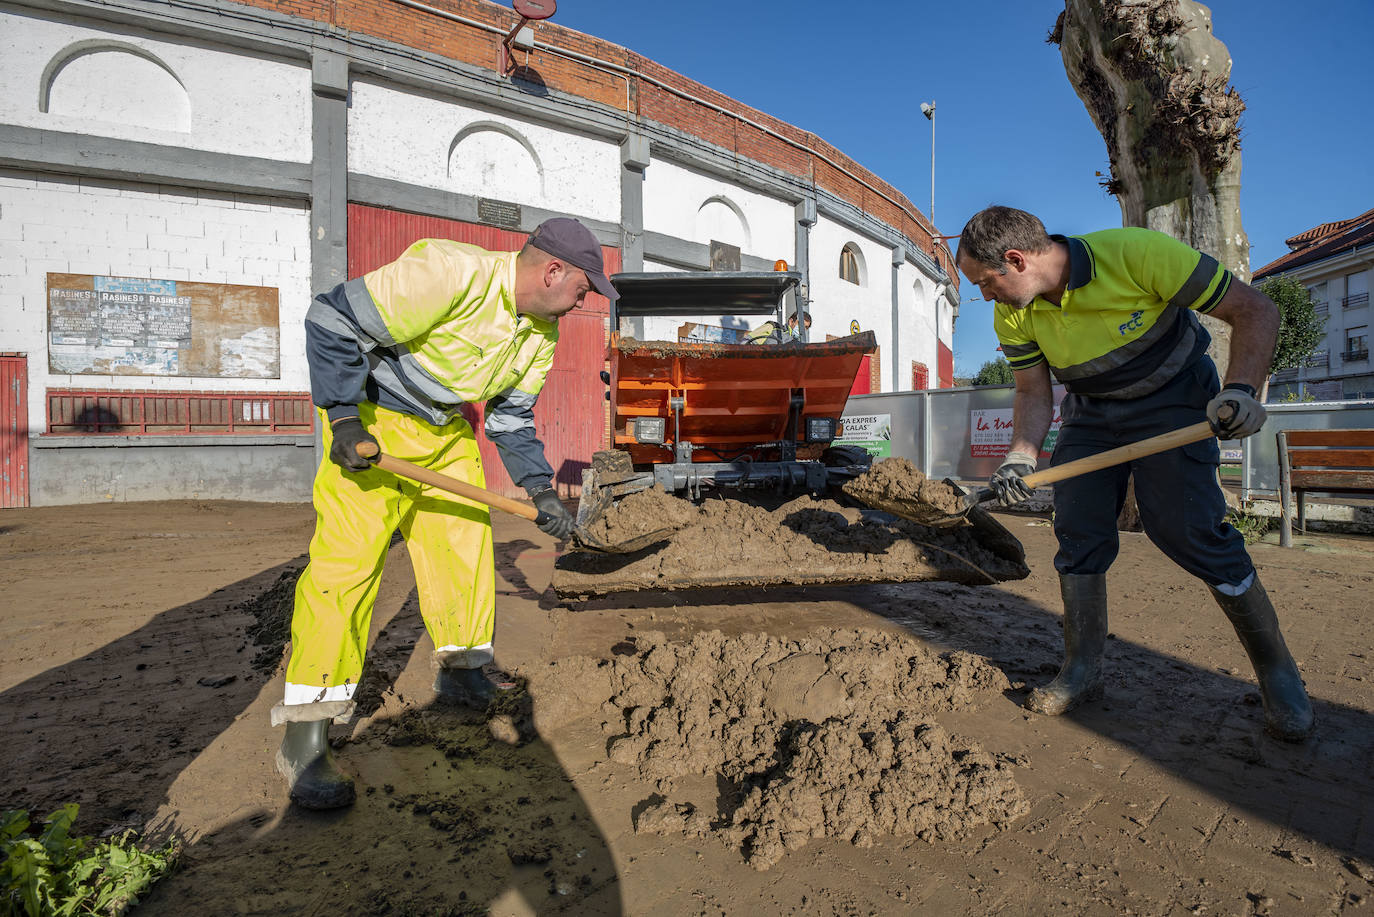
{"points": [[842, 456]]}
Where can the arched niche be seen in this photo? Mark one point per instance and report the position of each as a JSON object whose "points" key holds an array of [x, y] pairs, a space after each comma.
{"points": [[720, 219], [115, 82], [490, 159]]}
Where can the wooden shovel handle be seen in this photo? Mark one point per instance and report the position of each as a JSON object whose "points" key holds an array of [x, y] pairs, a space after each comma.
{"points": [[444, 482], [1161, 443]]}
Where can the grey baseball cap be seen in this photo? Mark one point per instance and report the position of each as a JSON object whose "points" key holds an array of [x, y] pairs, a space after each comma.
{"points": [[569, 240]]}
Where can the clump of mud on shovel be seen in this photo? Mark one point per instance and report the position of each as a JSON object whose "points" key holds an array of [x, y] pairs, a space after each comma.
{"points": [[765, 743], [897, 486], [639, 514]]}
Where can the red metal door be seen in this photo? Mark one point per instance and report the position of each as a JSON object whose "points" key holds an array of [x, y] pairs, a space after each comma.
{"points": [[920, 377], [14, 430], [570, 417], [863, 381], [944, 365]]}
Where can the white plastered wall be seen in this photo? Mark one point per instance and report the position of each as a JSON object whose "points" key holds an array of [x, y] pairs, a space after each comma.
{"points": [[918, 326], [441, 144], [691, 205], [696, 207], [835, 303], [105, 228], [130, 86]]}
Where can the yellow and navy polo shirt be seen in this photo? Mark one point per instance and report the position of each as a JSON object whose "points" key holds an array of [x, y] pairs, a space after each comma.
{"points": [[1125, 325]]}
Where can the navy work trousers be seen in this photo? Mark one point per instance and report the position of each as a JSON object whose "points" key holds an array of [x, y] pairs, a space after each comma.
{"points": [[1181, 503]]}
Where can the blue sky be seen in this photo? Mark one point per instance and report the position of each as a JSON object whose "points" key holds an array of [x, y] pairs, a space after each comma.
{"points": [[1008, 126]]}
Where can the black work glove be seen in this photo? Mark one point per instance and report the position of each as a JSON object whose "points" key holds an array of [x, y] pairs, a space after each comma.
{"points": [[1008, 481], [348, 432], [1247, 414], [554, 519]]}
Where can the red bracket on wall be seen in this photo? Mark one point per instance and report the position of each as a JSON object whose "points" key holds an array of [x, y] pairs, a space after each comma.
{"points": [[529, 10]]}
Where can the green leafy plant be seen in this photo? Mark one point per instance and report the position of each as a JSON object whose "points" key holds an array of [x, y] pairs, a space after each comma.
{"points": [[1293, 397], [994, 372], [1252, 527], [1300, 327], [54, 872]]}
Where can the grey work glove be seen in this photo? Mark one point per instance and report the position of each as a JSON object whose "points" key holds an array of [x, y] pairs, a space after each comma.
{"points": [[1008, 481], [348, 433], [554, 519], [1247, 414]]}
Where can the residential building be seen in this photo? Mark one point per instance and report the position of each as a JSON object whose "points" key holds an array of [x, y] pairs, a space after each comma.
{"points": [[1334, 261]]}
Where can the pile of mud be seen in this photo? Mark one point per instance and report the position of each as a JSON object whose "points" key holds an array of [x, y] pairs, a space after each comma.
{"points": [[830, 736], [897, 482], [731, 541]]}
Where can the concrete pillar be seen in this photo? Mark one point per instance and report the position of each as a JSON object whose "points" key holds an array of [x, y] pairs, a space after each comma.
{"points": [[328, 180], [898, 259], [634, 159], [805, 215]]}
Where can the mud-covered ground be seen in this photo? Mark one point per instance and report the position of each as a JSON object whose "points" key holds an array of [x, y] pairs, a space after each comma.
{"points": [[795, 750]]}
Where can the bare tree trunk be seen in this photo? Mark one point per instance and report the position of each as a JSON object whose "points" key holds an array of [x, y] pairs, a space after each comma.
{"points": [[1155, 81]]}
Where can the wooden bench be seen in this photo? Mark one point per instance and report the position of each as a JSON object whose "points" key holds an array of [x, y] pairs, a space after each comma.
{"points": [[1329, 461]]}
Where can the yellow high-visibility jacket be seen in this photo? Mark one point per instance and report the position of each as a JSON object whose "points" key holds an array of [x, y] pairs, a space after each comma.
{"points": [[429, 332]]}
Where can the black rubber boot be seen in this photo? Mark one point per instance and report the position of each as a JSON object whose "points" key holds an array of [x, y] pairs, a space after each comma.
{"points": [[1287, 709], [1085, 638], [307, 763], [468, 687]]}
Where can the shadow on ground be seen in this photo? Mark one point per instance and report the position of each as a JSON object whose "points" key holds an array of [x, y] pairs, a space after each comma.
{"points": [[449, 819]]}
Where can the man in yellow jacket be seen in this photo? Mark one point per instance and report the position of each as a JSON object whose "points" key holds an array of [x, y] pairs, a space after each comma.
{"points": [[1112, 315], [393, 356]]}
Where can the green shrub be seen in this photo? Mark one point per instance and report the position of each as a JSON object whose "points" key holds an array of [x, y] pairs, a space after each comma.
{"points": [[1250, 526], [56, 873]]}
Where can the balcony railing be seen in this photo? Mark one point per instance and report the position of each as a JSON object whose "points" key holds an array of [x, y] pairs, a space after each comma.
{"points": [[1321, 308], [1354, 302], [1285, 375], [1320, 358], [1352, 356], [147, 413]]}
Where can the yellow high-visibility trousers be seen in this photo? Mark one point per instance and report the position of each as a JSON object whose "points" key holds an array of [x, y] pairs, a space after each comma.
{"points": [[448, 537]]}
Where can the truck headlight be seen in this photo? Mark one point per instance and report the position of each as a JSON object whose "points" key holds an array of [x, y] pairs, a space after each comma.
{"points": [[820, 429], [650, 430]]}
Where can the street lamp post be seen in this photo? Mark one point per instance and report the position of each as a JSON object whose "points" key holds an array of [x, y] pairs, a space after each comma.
{"points": [[928, 109]]}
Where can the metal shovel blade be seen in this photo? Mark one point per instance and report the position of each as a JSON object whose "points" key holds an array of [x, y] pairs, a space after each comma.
{"points": [[596, 499]]}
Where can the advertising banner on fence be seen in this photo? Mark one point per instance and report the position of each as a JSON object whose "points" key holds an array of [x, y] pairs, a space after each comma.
{"points": [[990, 432], [872, 432]]}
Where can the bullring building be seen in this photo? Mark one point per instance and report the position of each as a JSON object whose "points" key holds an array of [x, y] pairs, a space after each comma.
{"points": [[177, 180]]}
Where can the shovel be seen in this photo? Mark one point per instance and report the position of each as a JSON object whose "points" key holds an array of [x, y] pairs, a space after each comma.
{"points": [[515, 507], [957, 504]]}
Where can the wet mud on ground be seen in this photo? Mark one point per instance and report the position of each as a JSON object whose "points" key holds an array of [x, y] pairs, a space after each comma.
{"points": [[687, 753], [755, 541]]}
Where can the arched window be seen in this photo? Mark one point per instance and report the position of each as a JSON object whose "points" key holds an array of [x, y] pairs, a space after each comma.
{"points": [[851, 264]]}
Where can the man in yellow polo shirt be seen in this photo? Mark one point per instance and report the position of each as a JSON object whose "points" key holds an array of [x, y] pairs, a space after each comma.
{"points": [[1111, 315], [393, 356]]}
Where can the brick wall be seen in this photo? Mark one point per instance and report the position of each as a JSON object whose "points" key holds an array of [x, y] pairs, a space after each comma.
{"points": [[99, 227], [428, 32]]}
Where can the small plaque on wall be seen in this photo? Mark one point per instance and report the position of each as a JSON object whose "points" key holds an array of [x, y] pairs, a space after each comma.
{"points": [[498, 213]]}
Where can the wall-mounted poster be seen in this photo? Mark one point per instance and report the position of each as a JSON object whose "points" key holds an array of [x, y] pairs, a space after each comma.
{"points": [[128, 326]]}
